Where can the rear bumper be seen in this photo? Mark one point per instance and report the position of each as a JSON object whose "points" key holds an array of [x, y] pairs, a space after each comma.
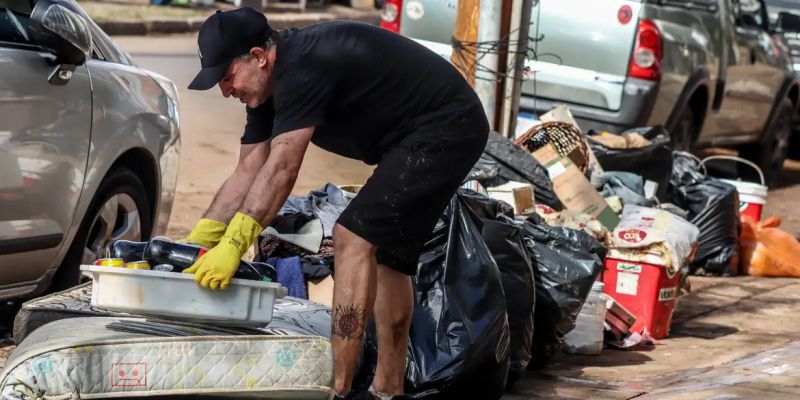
{"points": [[637, 103]]}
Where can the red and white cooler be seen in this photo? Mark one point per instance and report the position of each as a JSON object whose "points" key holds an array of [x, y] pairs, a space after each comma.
{"points": [[641, 281], [642, 268]]}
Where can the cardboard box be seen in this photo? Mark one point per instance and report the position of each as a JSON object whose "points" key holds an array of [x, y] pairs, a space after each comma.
{"points": [[322, 292], [573, 189], [619, 319], [518, 195]]}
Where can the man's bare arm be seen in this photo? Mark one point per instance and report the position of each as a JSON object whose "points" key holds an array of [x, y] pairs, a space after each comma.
{"points": [[275, 180], [231, 194]]}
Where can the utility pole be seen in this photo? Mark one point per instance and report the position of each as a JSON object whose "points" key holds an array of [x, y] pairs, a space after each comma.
{"points": [[520, 23], [486, 21], [466, 31], [486, 77]]}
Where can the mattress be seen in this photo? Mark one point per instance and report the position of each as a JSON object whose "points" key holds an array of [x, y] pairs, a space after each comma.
{"points": [[291, 316], [110, 357]]}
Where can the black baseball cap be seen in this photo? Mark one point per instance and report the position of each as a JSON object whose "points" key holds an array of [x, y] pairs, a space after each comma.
{"points": [[225, 36]]}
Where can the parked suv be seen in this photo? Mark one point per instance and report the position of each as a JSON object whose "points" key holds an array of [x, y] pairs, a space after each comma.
{"points": [[708, 70], [88, 146]]}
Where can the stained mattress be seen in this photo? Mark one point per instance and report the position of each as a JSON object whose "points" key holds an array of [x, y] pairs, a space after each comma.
{"points": [[69, 349]]}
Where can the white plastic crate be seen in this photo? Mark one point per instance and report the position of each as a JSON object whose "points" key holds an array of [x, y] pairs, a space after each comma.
{"points": [[175, 295]]}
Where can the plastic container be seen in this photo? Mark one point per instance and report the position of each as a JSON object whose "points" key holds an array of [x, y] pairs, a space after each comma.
{"points": [[752, 195], [587, 337], [178, 296]]}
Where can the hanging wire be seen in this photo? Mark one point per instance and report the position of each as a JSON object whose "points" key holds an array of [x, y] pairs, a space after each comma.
{"points": [[465, 51]]}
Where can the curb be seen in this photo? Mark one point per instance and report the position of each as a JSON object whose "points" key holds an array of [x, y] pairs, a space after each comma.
{"points": [[190, 25]]}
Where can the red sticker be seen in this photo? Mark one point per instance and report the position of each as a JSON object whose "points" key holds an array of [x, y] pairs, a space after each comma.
{"points": [[625, 14], [128, 374], [632, 235]]}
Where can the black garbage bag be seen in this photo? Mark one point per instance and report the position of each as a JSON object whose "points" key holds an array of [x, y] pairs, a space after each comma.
{"points": [[566, 263], [503, 237], [504, 240], [487, 172], [459, 337], [713, 207], [516, 164], [652, 162]]}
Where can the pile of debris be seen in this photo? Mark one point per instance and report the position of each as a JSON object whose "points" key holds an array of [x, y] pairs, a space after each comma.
{"points": [[563, 241]]}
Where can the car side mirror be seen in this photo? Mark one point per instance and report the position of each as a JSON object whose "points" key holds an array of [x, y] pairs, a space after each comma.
{"points": [[788, 22], [66, 33]]}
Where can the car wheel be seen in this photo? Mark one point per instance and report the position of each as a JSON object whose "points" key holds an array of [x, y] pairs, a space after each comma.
{"points": [[682, 133], [771, 151], [119, 210]]}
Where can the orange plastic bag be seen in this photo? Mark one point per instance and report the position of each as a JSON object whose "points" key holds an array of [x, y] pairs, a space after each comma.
{"points": [[767, 250]]}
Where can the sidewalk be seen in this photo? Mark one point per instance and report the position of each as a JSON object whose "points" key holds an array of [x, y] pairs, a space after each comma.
{"points": [[731, 338], [138, 17]]}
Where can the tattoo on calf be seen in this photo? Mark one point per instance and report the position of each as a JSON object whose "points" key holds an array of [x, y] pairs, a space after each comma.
{"points": [[348, 322]]}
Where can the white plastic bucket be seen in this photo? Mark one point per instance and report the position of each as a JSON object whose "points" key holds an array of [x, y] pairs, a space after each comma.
{"points": [[752, 195]]}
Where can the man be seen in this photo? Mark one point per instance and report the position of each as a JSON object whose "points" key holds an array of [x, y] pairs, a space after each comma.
{"points": [[360, 92]]}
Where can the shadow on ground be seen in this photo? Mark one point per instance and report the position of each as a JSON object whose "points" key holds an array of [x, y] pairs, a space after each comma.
{"points": [[738, 299], [701, 330]]}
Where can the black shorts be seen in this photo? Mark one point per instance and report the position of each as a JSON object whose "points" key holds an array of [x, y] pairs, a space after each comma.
{"points": [[401, 202]]}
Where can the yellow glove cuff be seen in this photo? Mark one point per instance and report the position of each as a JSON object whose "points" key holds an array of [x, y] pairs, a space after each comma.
{"points": [[206, 233], [242, 231]]}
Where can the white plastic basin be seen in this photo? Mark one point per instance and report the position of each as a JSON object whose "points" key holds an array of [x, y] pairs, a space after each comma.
{"points": [[178, 296]]}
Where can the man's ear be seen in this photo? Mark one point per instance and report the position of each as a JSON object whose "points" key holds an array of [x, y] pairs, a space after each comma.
{"points": [[260, 55]]}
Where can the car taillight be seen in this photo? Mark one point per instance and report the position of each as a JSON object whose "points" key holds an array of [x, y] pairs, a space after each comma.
{"points": [[390, 15], [646, 59]]}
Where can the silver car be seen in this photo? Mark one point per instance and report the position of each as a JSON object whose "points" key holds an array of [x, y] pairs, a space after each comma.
{"points": [[708, 70], [89, 146]]}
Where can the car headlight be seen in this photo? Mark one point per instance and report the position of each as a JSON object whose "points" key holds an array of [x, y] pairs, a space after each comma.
{"points": [[172, 96]]}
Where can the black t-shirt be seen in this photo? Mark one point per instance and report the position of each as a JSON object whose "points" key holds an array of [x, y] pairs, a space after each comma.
{"points": [[362, 87]]}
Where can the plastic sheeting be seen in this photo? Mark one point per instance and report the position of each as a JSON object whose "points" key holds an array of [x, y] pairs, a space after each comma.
{"points": [[294, 316], [713, 207], [566, 263]]}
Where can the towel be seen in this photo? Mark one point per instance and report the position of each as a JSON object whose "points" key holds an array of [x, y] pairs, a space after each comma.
{"points": [[290, 274]]}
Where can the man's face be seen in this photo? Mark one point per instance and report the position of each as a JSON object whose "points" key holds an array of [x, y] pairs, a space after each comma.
{"points": [[248, 78]]}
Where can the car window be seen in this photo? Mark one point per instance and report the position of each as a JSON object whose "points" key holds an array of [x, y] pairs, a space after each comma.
{"points": [[751, 13], [704, 5], [788, 4], [14, 20]]}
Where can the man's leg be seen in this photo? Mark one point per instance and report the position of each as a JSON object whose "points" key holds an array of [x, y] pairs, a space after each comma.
{"points": [[393, 307], [353, 298]]}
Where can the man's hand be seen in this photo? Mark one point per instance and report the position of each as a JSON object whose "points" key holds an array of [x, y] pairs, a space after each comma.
{"points": [[215, 269], [206, 233]]}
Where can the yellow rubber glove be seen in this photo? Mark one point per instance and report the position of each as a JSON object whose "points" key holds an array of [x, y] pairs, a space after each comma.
{"points": [[206, 233], [215, 269]]}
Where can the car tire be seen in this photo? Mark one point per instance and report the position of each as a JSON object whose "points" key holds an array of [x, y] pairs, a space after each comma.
{"points": [[682, 134], [773, 148], [119, 210]]}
